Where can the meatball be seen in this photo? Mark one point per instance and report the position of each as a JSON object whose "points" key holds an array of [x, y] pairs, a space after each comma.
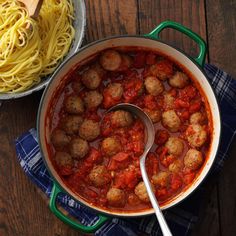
{"points": [[196, 118], [171, 120], [65, 162], [193, 159], [89, 130], [99, 176], [59, 138], [121, 118], [92, 99], [77, 85], [70, 124], [196, 135], [78, 148], [116, 197], [110, 146], [161, 179], [162, 70], [115, 90], [74, 105], [176, 166], [168, 101], [153, 85], [110, 60], [141, 192], [175, 146], [91, 78], [125, 63], [155, 115], [178, 80]]}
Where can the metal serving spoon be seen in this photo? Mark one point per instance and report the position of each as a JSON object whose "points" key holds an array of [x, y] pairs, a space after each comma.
{"points": [[150, 134]]}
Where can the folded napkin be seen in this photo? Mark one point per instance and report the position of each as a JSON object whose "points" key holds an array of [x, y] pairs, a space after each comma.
{"points": [[181, 218]]}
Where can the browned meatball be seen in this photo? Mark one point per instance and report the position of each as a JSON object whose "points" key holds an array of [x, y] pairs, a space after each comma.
{"points": [[79, 148], [171, 120], [99, 176], [175, 146], [70, 124], [110, 146], [93, 99], [153, 85], [59, 138], [155, 115], [89, 130], [110, 60], [162, 69], [92, 78], [168, 101], [116, 197], [74, 105], [196, 135], [196, 118], [141, 192], [161, 179], [176, 166], [115, 90], [64, 162], [178, 80], [193, 159], [126, 62], [121, 118]]}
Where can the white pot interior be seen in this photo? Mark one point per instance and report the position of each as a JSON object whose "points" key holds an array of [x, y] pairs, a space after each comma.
{"points": [[82, 57]]}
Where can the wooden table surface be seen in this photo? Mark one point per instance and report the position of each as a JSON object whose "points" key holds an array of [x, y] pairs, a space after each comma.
{"points": [[23, 212]]}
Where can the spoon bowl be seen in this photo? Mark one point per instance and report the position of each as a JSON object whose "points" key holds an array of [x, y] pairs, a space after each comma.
{"points": [[150, 134]]}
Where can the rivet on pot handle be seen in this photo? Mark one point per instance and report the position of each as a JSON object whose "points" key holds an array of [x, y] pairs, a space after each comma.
{"points": [[86, 229], [170, 24]]}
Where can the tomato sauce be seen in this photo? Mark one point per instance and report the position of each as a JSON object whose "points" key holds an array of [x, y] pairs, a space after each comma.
{"points": [[108, 174]]}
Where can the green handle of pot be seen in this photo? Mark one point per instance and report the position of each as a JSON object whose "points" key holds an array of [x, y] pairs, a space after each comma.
{"points": [[170, 24], [86, 229]]}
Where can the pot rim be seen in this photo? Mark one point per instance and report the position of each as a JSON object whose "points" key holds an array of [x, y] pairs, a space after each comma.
{"points": [[105, 211]]}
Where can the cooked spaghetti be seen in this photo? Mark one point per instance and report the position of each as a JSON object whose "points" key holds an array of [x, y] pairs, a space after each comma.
{"points": [[31, 49]]}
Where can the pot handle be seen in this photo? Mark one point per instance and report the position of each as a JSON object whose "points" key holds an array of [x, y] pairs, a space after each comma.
{"points": [[83, 228], [174, 25]]}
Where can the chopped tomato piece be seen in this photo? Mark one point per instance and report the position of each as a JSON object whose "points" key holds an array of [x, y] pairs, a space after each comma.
{"points": [[139, 60], [161, 194], [66, 170], [179, 103], [150, 102], [184, 115], [152, 164], [90, 193], [121, 156], [196, 106], [176, 182], [188, 92], [161, 137], [188, 178], [165, 67], [150, 59], [94, 156]]}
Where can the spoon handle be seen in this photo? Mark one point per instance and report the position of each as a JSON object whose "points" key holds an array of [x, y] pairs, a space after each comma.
{"points": [[162, 222]]}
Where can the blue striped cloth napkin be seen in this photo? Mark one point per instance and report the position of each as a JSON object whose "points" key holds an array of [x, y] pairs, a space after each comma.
{"points": [[181, 218]]}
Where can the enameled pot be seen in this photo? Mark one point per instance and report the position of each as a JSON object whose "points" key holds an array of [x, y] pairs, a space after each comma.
{"points": [[150, 41]]}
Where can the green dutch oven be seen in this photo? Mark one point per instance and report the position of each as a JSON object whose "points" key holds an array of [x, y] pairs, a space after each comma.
{"points": [[150, 41]]}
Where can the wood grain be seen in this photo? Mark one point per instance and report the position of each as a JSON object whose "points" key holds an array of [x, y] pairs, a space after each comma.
{"points": [[189, 13], [221, 24], [108, 18]]}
